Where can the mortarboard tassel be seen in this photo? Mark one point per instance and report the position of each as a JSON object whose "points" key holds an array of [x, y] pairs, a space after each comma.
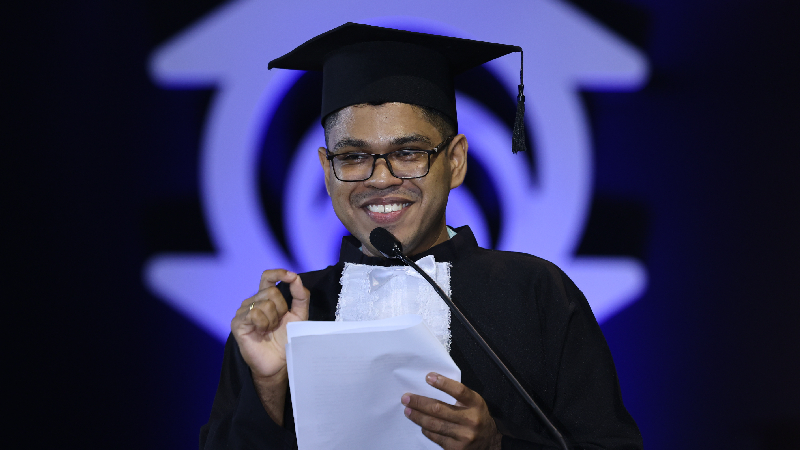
{"points": [[518, 135]]}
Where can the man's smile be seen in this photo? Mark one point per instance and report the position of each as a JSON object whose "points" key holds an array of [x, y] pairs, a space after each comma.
{"points": [[392, 207], [386, 210]]}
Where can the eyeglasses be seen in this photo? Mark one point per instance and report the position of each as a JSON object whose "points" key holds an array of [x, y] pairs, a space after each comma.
{"points": [[405, 163]]}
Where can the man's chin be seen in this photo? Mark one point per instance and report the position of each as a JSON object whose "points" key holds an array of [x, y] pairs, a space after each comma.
{"points": [[367, 247]]}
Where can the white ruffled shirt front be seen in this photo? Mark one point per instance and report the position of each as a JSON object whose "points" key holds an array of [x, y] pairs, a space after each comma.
{"points": [[375, 292]]}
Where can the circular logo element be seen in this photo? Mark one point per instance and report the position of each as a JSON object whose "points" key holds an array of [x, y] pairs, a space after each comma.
{"points": [[566, 51]]}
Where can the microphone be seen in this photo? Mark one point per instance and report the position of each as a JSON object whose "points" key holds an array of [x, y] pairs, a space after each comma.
{"points": [[390, 247], [386, 243]]}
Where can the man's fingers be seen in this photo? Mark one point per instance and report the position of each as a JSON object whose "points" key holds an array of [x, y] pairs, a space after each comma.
{"points": [[439, 429], [447, 424], [272, 277], [262, 318], [300, 295], [428, 422], [300, 298], [430, 407], [263, 311], [264, 321], [458, 391], [268, 293]]}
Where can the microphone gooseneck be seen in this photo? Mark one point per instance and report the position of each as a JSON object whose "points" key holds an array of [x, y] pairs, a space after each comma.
{"points": [[390, 247]]}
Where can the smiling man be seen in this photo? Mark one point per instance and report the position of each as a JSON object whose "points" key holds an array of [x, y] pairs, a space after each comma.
{"points": [[393, 154]]}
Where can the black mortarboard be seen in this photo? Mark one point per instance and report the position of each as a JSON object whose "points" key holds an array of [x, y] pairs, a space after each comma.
{"points": [[369, 64]]}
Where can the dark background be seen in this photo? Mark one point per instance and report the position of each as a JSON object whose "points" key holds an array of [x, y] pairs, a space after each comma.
{"points": [[703, 161]]}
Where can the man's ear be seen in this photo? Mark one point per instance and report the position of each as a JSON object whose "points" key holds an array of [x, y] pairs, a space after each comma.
{"points": [[457, 156], [326, 167]]}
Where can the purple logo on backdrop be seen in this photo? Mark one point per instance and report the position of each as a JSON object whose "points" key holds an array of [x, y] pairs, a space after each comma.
{"points": [[565, 51]]}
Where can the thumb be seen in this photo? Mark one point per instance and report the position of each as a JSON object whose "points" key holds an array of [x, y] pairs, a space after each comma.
{"points": [[300, 298]]}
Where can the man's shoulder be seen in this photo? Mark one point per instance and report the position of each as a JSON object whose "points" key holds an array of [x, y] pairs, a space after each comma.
{"points": [[516, 271], [504, 259], [528, 285]]}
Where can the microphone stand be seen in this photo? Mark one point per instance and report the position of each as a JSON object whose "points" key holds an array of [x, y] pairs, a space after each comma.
{"points": [[396, 252]]}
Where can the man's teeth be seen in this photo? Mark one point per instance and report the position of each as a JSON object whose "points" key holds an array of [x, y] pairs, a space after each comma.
{"points": [[387, 208]]}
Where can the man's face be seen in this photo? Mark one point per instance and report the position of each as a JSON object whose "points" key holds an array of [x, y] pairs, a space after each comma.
{"points": [[413, 210]]}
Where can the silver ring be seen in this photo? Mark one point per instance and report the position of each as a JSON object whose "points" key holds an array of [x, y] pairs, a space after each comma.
{"points": [[251, 305]]}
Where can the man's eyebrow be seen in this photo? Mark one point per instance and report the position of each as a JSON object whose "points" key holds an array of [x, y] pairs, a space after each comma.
{"points": [[362, 144], [350, 142], [411, 138]]}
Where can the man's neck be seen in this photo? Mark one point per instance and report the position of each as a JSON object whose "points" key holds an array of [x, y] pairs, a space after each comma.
{"points": [[450, 234]]}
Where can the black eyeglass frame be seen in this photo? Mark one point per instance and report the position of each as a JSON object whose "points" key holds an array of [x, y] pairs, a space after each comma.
{"points": [[385, 156]]}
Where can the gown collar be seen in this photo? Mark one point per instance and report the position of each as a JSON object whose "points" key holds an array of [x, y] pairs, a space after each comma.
{"points": [[450, 250]]}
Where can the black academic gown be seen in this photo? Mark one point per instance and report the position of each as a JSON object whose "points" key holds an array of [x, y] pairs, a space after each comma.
{"points": [[530, 313]]}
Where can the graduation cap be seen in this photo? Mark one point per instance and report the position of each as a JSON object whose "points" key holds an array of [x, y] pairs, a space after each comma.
{"points": [[369, 64]]}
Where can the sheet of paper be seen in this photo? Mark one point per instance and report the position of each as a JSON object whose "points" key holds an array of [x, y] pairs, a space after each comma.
{"points": [[347, 378]]}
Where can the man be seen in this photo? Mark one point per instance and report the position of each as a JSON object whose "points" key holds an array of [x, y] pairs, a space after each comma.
{"points": [[393, 154]]}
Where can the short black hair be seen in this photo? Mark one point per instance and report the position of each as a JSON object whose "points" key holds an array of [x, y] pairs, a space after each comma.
{"points": [[444, 125]]}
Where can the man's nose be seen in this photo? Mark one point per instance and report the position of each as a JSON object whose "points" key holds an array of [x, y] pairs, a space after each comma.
{"points": [[381, 176]]}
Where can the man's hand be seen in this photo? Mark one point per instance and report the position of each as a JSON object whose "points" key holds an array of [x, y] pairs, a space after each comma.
{"points": [[465, 425], [259, 328], [261, 331]]}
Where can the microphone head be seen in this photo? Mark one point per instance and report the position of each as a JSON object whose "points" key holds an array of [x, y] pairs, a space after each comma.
{"points": [[386, 243]]}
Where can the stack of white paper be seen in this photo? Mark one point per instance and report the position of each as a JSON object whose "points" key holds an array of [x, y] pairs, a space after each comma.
{"points": [[346, 380]]}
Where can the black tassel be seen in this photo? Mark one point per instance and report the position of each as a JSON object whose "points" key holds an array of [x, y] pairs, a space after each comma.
{"points": [[518, 135]]}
